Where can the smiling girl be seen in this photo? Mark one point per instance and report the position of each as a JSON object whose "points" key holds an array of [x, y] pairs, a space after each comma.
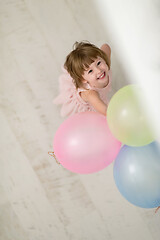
{"points": [[86, 80]]}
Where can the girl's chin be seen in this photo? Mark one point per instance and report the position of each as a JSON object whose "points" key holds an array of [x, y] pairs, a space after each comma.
{"points": [[105, 81]]}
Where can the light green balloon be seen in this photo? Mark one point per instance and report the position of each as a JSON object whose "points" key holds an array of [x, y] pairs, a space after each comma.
{"points": [[126, 117]]}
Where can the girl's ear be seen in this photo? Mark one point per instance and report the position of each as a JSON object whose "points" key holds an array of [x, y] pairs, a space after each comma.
{"points": [[84, 81]]}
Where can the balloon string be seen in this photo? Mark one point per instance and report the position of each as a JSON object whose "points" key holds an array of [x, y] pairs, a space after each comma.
{"points": [[157, 209], [53, 155]]}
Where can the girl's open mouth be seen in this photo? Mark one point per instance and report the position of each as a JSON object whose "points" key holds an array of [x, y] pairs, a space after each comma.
{"points": [[102, 76]]}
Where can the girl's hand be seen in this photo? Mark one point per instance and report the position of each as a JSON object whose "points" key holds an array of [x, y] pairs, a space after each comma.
{"points": [[107, 50]]}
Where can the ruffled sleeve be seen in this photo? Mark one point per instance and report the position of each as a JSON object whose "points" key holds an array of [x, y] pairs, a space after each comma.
{"points": [[68, 96]]}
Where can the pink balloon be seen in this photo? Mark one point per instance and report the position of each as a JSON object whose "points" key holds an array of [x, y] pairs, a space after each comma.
{"points": [[84, 144]]}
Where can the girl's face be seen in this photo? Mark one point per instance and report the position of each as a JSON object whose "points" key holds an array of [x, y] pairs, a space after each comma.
{"points": [[97, 74]]}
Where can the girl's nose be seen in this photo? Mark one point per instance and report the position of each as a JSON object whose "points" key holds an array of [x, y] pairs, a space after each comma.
{"points": [[98, 70], [97, 67]]}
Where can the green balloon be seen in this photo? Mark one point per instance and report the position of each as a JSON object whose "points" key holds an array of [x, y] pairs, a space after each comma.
{"points": [[126, 117]]}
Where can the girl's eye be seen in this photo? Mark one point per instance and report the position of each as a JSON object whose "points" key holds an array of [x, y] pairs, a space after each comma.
{"points": [[89, 71], [99, 62]]}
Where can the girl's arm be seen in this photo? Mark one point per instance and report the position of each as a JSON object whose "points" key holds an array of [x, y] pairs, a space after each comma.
{"points": [[107, 50], [93, 98]]}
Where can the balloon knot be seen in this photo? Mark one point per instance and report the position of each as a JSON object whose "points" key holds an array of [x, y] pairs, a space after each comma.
{"points": [[53, 155]]}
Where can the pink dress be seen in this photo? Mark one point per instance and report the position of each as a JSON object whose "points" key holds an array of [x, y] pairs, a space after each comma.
{"points": [[70, 99]]}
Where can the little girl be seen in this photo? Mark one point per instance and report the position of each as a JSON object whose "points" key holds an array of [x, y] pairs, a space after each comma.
{"points": [[86, 80]]}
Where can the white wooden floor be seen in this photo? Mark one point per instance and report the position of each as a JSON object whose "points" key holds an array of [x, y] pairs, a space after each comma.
{"points": [[39, 199]]}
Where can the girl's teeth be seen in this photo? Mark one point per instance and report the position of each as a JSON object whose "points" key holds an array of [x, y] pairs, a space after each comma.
{"points": [[101, 76]]}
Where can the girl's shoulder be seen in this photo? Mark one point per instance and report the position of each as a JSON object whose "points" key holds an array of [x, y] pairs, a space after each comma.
{"points": [[86, 94]]}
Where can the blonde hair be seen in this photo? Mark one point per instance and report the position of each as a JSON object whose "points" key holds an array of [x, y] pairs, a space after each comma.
{"points": [[83, 54]]}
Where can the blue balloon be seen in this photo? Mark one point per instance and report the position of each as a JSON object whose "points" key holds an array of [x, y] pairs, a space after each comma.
{"points": [[137, 174]]}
